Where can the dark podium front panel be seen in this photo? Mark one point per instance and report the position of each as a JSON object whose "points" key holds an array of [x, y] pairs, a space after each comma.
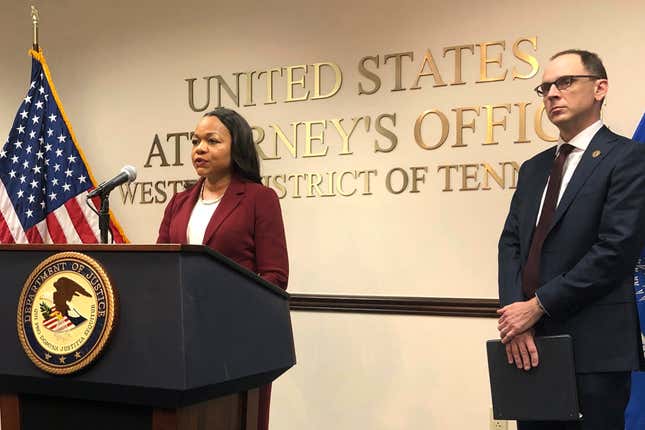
{"points": [[192, 326]]}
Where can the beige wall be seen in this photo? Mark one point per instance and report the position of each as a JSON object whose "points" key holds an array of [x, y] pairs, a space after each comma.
{"points": [[120, 68], [385, 372]]}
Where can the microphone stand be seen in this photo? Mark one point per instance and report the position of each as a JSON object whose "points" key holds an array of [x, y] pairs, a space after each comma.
{"points": [[128, 174], [104, 216]]}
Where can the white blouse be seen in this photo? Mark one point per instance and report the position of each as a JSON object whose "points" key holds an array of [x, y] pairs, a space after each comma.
{"points": [[199, 219]]}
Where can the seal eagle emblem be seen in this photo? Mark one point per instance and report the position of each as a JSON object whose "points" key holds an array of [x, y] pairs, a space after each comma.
{"points": [[66, 313]]}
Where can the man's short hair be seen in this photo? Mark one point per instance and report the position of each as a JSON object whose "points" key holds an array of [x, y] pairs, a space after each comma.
{"points": [[590, 60]]}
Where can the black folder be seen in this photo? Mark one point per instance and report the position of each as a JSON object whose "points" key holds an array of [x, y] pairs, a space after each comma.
{"points": [[544, 393]]}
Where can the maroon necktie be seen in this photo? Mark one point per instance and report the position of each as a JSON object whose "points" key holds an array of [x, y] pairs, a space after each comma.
{"points": [[531, 272]]}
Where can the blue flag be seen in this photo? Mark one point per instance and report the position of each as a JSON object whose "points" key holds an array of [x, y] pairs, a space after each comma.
{"points": [[635, 412]]}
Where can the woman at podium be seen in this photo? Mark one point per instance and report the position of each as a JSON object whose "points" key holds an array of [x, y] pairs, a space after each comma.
{"points": [[228, 209]]}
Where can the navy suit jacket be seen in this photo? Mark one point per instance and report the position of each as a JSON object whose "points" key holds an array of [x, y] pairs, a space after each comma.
{"points": [[246, 227], [588, 257]]}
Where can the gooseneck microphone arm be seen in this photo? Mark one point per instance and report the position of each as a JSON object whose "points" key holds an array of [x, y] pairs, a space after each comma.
{"points": [[127, 174]]}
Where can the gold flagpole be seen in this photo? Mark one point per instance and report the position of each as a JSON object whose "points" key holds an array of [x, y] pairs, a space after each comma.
{"points": [[34, 21]]}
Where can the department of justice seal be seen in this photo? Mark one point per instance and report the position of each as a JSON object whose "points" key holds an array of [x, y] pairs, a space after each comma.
{"points": [[66, 313]]}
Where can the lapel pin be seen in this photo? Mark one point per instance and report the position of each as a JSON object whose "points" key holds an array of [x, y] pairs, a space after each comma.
{"points": [[596, 154]]}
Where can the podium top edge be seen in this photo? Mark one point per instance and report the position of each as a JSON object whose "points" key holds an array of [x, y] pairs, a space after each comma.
{"points": [[166, 247], [120, 247]]}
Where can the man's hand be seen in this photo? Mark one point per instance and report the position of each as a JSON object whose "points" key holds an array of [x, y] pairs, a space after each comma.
{"points": [[522, 351], [517, 318]]}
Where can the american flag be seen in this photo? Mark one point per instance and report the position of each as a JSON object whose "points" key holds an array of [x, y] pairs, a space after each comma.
{"points": [[44, 177]]}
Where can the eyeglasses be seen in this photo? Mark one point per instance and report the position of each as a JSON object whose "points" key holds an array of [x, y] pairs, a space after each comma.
{"points": [[562, 83]]}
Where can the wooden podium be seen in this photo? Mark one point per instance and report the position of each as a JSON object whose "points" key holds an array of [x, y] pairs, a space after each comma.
{"points": [[196, 336]]}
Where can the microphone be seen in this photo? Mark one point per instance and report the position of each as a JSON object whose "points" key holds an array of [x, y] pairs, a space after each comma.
{"points": [[127, 174]]}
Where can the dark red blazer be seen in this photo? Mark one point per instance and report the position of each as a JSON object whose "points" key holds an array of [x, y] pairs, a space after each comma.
{"points": [[246, 227]]}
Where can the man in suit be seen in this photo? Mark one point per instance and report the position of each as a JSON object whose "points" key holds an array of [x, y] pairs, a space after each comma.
{"points": [[570, 242]]}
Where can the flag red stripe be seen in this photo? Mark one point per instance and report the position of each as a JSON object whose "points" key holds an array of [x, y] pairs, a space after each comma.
{"points": [[5, 234], [116, 234], [81, 225], [33, 235], [55, 230]]}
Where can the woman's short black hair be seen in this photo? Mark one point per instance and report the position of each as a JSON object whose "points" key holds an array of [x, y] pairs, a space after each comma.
{"points": [[244, 156]]}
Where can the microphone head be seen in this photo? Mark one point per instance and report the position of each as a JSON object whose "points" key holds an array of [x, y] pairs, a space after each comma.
{"points": [[130, 171]]}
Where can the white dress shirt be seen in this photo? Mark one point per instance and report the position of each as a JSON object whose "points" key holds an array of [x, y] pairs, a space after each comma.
{"points": [[580, 143]]}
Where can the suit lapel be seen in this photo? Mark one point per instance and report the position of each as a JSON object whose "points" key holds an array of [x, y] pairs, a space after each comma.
{"points": [[601, 142], [232, 198], [534, 194]]}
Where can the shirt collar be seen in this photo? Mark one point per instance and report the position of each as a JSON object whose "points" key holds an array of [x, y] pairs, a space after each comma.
{"points": [[582, 140]]}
